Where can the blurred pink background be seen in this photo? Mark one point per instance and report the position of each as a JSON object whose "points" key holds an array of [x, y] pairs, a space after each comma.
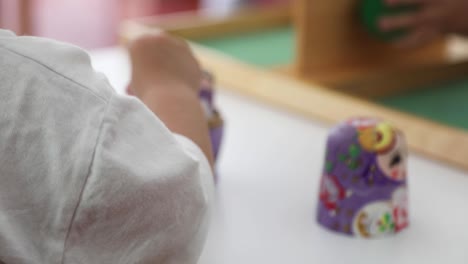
{"points": [[92, 23]]}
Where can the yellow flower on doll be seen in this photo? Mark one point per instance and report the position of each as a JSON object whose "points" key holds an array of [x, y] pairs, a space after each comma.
{"points": [[379, 138]]}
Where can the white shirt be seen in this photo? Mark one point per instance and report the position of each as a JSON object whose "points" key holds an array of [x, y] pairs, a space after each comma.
{"points": [[86, 175]]}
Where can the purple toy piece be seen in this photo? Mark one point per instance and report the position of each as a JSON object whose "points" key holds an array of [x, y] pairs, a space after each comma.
{"points": [[215, 122], [216, 135], [363, 190]]}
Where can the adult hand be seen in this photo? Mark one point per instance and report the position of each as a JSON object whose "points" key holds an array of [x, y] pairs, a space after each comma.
{"points": [[432, 19]]}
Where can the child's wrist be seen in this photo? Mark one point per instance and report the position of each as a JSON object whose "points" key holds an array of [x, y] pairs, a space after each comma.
{"points": [[171, 93], [150, 89]]}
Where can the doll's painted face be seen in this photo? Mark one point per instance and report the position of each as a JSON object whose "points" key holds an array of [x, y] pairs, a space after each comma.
{"points": [[381, 218], [393, 161], [374, 220], [389, 145]]}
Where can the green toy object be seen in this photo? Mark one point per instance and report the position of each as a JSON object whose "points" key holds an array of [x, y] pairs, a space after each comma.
{"points": [[371, 11]]}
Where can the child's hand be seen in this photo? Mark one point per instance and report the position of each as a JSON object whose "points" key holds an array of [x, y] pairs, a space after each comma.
{"points": [[434, 18], [166, 77], [162, 62]]}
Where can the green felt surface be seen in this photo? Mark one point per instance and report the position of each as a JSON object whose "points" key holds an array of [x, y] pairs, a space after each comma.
{"points": [[447, 104], [266, 48]]}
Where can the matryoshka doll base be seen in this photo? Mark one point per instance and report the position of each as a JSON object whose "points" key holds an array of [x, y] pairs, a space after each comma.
{"points": [[363, 190]]}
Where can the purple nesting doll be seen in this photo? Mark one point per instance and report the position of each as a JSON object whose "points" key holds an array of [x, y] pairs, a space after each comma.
{"points": [[363, 190], [215, 122]]}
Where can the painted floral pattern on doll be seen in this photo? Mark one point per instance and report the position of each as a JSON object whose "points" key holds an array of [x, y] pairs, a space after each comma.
{"points": [[363, 188], [331, 192]]}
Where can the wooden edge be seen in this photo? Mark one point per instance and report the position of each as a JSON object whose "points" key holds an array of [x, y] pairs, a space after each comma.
{"points": [[381, 83], [426, 137], [395, 82], [203, 24]]}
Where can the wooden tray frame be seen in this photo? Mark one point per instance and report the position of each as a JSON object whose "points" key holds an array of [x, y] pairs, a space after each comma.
{"points": [[335, 50], [302, 96]]}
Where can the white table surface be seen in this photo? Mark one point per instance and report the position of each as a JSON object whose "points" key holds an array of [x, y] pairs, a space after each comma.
{"points": [[269, 171]]}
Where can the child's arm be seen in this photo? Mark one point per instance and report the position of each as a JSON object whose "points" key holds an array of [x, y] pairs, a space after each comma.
{"points": [[434, 17], [90, 176], [166, 77]]}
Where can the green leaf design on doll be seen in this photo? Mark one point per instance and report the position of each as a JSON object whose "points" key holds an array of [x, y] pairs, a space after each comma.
{"points": [[386, 223], [353, 164], [342, 157], [354, 151], [329, 166], [351, 158]]}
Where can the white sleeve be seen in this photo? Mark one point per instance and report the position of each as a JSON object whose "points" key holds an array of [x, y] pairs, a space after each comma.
{"points": [[147, 196]]}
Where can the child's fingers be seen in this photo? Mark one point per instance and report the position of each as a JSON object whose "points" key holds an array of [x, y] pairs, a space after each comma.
{"points": [[406, 2], [418, 38], [397, 22], [430, 15]]}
